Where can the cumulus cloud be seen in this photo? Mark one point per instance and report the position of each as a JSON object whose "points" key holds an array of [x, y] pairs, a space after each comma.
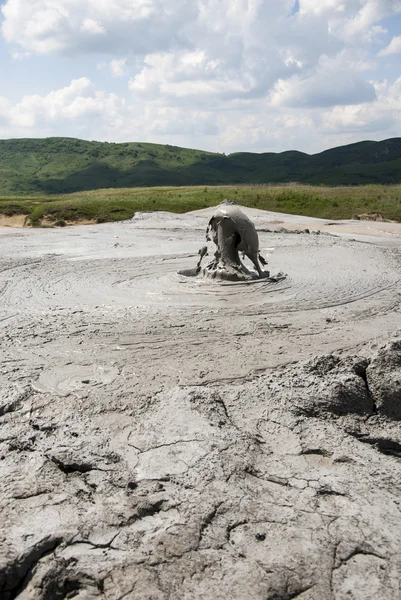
{"points": [[335, 81], [351, 18], [320, 6], [118, 67], [243, 49], [321, 90], [394, 47], [92, 27], [370, 12], [380, 119], [75, 26], [224, 49], [187, 74], [78, 103]]}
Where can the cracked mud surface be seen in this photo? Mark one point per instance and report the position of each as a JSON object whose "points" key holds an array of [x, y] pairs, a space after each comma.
{"points": [[162, 438]]}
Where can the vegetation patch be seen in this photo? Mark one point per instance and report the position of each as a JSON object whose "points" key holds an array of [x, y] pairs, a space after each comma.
{"points": [[101, 206]]}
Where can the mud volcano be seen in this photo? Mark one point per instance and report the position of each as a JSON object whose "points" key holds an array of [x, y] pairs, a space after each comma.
{"points": [[232, 232], [166, 438]]}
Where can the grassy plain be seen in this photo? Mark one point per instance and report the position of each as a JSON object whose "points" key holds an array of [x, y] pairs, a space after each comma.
{"points": [[118, 204]]}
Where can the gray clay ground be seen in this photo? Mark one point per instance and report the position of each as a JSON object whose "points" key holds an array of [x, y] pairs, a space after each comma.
{"points": [[164, 437]]}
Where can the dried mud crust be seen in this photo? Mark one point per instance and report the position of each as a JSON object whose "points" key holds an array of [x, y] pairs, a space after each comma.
{"points": [[160, 440], [285, 486]]}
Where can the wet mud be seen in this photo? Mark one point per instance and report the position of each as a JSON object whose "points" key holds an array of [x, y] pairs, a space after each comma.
{"points": [[167, 437]]}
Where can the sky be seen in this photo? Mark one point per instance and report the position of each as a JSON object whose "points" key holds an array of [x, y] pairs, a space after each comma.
{"points": [[219, 75]]}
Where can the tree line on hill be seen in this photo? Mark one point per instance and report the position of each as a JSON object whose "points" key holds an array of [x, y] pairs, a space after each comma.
{"points": [[64, 165]]}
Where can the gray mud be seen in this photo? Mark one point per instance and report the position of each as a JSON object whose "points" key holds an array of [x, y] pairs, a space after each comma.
{"points": [[163, 437]]}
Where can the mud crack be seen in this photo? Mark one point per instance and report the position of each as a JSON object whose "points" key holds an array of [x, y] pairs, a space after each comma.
{"points": [[208, 519], [69, 467], [14, 575], [383, 445]]}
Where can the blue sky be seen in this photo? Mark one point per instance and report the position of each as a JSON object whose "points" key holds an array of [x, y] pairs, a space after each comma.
{"points": [[223, 75]]}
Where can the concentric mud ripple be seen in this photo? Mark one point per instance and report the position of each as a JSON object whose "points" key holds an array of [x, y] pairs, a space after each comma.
{"points": [[75, 379], [319, 272]]}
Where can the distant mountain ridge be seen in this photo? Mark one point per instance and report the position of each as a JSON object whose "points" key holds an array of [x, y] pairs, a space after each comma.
{"points": [[64, 165]]}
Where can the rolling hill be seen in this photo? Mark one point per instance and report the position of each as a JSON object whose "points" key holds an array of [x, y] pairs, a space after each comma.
{"points": [[65, 165]]}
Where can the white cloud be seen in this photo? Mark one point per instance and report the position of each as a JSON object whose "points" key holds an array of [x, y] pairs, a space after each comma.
{"points": [[394, 47], [335, 81], [73, 106], [224, 49], [63, 25], [187, 74], [92, 27], [118, 67], [383, 115], [20, 55], [369, 13], [354, 21], [320, 6]]}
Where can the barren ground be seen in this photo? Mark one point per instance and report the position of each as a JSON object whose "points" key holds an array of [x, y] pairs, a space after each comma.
{"points": [[164, 437]]}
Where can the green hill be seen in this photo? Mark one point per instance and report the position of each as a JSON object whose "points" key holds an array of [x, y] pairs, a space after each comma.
{"points": [[65, 165]]}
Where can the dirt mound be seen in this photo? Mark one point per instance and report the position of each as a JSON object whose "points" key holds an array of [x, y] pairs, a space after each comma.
{"points": [[14, 221], [374, 217]]}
